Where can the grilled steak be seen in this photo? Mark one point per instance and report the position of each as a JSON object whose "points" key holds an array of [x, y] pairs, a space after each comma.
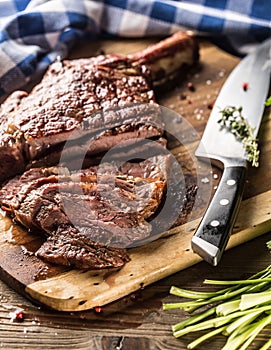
{"points": [[105, 100], [81, 110], [106, 205]]}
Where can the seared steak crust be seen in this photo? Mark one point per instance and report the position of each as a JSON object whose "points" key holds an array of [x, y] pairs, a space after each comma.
{"points": [[68, 247], [107, 99], [106, 205], [76, 100], [82, 109]]}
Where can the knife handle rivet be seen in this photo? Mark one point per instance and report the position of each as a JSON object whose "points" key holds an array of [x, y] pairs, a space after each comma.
{"points": [[231, 182], [214, 223], [224, 201]]}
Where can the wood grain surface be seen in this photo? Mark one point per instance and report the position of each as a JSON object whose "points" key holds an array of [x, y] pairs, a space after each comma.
{"points": [[137, 320]]}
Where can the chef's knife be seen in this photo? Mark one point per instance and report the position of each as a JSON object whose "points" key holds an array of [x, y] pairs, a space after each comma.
{"points": [[253, 72]]}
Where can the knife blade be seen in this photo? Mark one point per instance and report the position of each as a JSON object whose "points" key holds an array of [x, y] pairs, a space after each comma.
{"points": [[219, 144]]}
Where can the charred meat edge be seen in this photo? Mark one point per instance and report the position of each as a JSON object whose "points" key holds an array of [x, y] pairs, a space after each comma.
{"points": [[89, 98], [34, 200]]}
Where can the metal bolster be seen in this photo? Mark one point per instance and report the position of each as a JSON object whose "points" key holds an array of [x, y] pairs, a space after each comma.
{"points": [[206, 250]]}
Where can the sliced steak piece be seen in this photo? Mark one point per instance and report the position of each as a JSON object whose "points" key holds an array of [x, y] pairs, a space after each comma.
{"points": [[76, 156], [12, 158], [53, 205], [68, 247], [105, 206], [16, 189], [107, 99]]}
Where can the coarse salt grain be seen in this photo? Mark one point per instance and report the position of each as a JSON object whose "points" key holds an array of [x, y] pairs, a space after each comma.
{"points": [[205, 180]]}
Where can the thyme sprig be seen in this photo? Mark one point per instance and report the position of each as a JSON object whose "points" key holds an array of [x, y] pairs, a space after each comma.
{"points": [[233, 119]]}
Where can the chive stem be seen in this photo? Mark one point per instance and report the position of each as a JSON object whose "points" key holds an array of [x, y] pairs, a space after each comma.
{"points": [[241, 282], [250, 300], [267, 345], [240, 311], [193, 319], [205, 337]]}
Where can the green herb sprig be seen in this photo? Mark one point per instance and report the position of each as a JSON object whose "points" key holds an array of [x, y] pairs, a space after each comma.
{"points": [[239, 312], [268, 102], [233, 119]]}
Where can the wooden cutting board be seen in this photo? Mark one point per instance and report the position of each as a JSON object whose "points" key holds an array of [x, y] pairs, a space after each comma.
{"points": [[74, 290]]}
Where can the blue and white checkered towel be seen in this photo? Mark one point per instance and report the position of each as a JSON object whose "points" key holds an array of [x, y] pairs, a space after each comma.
{"points": [[34, 32]]}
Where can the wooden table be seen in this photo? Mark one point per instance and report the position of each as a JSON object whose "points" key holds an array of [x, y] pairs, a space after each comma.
{"points": [[137, 321]]}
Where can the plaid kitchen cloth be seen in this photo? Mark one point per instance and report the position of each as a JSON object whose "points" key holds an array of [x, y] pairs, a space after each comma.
{"points": [[34, 32]]}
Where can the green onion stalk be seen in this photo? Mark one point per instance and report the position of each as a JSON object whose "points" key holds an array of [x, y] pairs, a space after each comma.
{"points": [[239, 312]]}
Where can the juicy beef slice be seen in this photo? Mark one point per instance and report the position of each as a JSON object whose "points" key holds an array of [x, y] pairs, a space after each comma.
{"points": [[12, 159], [68, 247], [97, 103], [105, 206]]}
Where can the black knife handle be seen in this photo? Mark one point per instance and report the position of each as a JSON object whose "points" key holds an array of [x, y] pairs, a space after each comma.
{"points": [[213, 232]]}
